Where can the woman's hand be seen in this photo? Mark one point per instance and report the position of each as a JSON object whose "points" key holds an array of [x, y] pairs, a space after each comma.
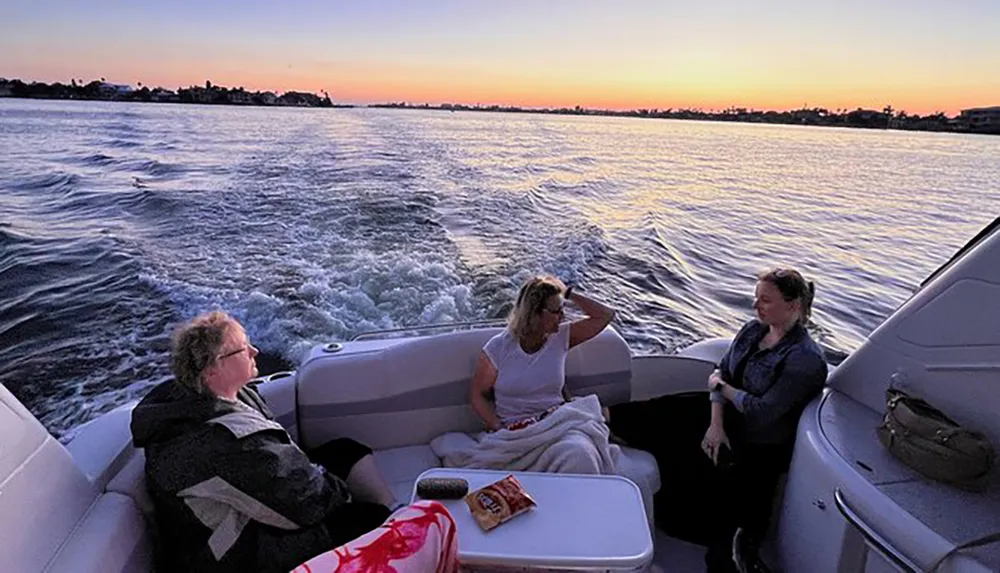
{"points": [[714, 378], [714, 438]]}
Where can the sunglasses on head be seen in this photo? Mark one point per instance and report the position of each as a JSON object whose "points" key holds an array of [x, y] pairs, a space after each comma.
{"points": [[561, 309]]}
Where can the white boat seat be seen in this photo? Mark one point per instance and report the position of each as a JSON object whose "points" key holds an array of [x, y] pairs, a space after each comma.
{"points": [[401, 466], [101, 447], [131, 482], [640, 467], [394, 393], [112, 537], [416, 389], [53, 517]]}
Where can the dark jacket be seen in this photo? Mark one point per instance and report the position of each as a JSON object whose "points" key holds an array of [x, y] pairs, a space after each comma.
{"points": [[232, 491], [779, 382]]}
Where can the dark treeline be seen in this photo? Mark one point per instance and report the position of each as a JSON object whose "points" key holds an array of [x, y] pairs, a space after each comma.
{"points": [[980, 120], [207, 94], [887, 118]]}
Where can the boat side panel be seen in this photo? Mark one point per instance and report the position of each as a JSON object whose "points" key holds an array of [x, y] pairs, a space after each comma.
{"points": [[945, 342], [659, 375], [812, 532]]}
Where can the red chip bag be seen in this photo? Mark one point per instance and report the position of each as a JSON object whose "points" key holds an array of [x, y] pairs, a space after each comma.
{"points": [[498, 502]]}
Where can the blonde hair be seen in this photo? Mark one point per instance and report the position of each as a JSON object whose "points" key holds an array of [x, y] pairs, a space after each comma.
{"points": [[530, 302], [195, 345], [792, 286]]}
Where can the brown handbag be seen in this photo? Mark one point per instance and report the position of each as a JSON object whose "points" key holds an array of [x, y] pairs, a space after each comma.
{"points": [[923, 438]]}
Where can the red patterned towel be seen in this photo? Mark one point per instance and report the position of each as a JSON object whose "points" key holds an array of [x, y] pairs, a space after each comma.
{"points": [[419, 538]]}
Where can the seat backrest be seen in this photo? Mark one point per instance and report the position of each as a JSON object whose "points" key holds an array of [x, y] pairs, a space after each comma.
{"points": [[54, 516], [407, 391], [43, 495]]}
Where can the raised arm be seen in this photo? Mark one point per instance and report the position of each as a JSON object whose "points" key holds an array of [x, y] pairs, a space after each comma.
{"points": [[598, 317], [483, 379]]}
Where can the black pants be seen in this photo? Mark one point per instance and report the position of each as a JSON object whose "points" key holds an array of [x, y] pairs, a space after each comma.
{"points": [[698, 501], [354, 519]]}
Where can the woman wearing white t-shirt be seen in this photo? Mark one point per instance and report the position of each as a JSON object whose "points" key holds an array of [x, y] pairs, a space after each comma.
{"points": [[521, 373]]}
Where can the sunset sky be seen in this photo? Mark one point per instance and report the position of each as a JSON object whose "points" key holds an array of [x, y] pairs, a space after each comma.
{"points": [[918, 55]]}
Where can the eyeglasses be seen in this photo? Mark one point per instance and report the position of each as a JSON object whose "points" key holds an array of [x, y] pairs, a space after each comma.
{"points": [[244, 348]]}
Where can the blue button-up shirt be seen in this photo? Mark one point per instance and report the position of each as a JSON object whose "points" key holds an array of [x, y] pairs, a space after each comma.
{"points": [[777, 382]]}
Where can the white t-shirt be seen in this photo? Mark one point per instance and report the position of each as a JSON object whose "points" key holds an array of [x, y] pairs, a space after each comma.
{"points": [[528, 384]]}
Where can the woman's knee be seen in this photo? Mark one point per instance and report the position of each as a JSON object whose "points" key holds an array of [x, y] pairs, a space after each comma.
{"points": [[340, 455], [581, 457]]}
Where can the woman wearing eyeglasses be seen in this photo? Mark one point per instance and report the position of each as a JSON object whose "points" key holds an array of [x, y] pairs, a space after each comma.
{"points": [[232, 491], [721, 453]]}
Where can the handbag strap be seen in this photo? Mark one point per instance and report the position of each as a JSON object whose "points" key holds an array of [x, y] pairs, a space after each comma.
{"points": [[984, 540]]}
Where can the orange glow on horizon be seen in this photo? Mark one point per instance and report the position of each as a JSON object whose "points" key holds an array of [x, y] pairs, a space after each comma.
{"points": [[694, 85], [921, 57]]}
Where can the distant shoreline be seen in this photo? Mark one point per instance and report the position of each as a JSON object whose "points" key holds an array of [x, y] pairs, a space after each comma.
{"points": [[984, 121], [859, 118]]}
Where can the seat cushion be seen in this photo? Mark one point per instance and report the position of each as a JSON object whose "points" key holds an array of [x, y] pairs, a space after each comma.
{"points": [[102, 446], [111, 539], [401, 466], [131, 482], [640, 465]]}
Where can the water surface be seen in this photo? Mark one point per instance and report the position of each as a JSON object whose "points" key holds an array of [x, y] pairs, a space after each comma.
{"points": [[118, 220]]}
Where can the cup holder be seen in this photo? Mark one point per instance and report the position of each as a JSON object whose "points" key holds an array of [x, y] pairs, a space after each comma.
{"points": [[332, 347], [279, 376]]}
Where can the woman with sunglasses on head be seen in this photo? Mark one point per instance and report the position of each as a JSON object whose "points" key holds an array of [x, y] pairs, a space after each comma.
{"points": [[520, 374], [721, 480]]}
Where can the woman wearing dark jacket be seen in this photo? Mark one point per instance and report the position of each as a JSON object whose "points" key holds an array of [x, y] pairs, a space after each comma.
{"points": [[722, 479], [232, 491]]}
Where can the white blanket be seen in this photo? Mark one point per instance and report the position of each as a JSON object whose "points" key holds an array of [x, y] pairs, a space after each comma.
{"points": [[572, 439]]}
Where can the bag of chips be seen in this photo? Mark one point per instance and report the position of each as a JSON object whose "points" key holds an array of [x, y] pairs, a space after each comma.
{"points": [[498, 502]]}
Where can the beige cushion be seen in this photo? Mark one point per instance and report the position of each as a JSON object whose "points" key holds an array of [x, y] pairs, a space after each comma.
{"points": [[131, 482], [401, 466], [111, 538], [101, 447], [43, 495], [640, 465]]}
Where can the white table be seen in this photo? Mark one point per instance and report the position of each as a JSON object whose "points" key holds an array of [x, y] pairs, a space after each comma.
{"points": [[582, 522]]}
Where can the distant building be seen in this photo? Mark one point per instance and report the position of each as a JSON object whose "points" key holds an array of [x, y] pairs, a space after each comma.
{"points": [[164, 95], [4, 88], [268, 98], [980, 118], [201, 95], [112, 90]]}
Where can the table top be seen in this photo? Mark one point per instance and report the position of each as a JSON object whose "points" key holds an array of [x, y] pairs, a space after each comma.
{"points": [[581, 521]]}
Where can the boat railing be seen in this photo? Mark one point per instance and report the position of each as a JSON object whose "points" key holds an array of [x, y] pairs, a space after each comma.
{"points": [[425, 329]]}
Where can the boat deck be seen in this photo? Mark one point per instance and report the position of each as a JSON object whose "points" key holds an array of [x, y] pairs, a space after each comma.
{"points": [[676, 556]]}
